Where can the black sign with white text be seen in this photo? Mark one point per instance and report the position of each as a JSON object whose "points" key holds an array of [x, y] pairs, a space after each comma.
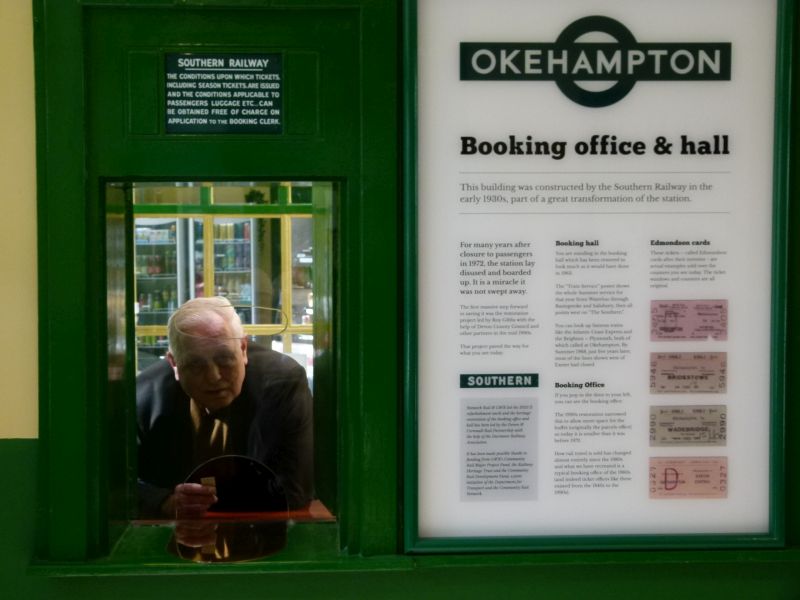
{"points": [[224, 93]]}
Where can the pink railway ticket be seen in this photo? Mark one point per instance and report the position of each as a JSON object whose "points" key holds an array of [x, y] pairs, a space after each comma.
{"points": [[688, 320], [689, 477], [688, 372]]}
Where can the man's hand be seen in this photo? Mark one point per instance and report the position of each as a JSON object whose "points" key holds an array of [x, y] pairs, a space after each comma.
{"points": [[189, 501], [196, 534]]}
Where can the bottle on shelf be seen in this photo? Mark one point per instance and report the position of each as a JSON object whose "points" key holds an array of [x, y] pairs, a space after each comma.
{"points": [[155, 303]]}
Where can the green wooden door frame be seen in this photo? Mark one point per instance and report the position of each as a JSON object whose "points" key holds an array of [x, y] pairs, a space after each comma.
{"points": [[72, 276]]}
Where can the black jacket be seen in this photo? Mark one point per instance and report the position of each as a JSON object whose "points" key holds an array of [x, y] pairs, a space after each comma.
{"points": [[271, 420]]}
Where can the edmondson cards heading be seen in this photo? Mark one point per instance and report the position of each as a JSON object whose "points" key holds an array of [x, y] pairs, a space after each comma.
{"points": [[568, 61]]}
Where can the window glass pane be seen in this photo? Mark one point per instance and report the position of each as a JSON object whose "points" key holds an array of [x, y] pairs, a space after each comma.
{"points": [[150, 349], [156, 269], [302, 349], [301, 192], [166, 193], [196, 251], [247, 267], [233, 250], [249, 242], [244, 193], [302, 264]]}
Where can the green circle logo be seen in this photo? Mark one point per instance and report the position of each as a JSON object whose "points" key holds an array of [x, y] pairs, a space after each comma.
{"points": [[567, 39], [621, 62]]}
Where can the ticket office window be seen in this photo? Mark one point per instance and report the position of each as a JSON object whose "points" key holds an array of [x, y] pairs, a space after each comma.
{"points": [[266, 246]]}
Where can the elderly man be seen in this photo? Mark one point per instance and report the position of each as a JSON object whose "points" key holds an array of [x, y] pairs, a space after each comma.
{"points": [[213, 396]]}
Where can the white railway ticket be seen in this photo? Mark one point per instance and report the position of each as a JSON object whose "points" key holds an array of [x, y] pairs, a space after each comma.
{"points": [[688, 425], [688, 372]]}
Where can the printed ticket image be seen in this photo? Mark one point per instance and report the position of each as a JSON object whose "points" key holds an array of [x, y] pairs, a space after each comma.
{"points": [[688, 425], [688, 320], [688, 372], [700, 477]]}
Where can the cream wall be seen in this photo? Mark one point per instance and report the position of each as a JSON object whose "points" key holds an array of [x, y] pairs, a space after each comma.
{"points": [[18, 300]]}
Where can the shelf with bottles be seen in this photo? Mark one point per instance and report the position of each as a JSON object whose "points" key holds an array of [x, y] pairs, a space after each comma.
{"points": [[156, 257], [232, 256], [153, 232], [232, 246], [233, 288], [235, 231], [156, 252], [160, 267], [237, 290], [154, 306], [157, 265]]}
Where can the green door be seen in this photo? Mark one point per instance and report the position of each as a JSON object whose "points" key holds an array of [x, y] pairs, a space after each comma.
{"points": [[153, 122]]}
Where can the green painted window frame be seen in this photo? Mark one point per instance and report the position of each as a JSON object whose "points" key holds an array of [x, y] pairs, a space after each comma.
{"points": [[76, 532]]}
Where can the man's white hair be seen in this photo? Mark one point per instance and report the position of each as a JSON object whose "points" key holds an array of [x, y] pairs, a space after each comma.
{"points": [[196, 311]]}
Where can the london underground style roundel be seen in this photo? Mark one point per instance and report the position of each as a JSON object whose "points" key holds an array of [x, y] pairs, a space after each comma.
{"points": [[568, 61]]}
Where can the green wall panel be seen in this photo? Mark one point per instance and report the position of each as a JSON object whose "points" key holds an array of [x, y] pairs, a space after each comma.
{"points": [[460, 577]]}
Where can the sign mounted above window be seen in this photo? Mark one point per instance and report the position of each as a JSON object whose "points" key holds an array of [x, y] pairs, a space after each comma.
{"points": [[224, 93]]}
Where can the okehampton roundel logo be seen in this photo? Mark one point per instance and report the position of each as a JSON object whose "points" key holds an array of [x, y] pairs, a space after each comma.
{"points": [[569, 62]]}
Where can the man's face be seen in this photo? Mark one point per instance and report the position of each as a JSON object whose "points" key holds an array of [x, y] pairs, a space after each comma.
{"points": [[210, 368]]}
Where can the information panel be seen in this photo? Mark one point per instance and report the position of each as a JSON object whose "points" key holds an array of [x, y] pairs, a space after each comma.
{"points": [[224, 93], [595, 213]]}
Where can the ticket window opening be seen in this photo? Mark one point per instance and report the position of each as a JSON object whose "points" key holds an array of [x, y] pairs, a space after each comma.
{"points": [[264, 247]]}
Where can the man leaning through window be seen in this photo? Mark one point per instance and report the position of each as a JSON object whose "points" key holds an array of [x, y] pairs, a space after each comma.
{"points": [[214, 395]]}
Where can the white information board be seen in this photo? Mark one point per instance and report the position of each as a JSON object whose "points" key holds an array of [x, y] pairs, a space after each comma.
{"points": [[595, 209]]}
